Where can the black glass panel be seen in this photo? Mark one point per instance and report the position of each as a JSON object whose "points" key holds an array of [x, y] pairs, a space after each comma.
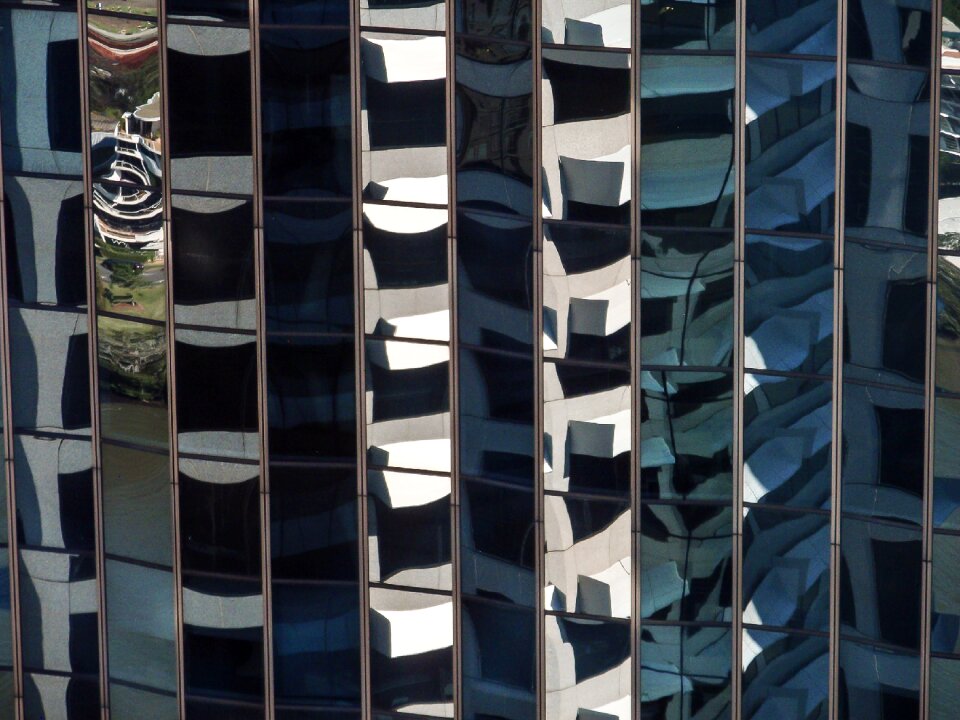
{"points": [[209, 108], [497, 543], [313, 523], [305, 106], [496, 416], [685, 559], [494, 126], [790, 147], [305, 12], [310, 398], [212, 242], [686, 427], [308, 258], [505, 20], [219, 517], [946, 464], [495, 281], [316, 647], [499, 644], [231, 10]]}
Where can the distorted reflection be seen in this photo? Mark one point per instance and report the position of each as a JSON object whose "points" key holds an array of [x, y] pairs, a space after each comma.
{"points": [[945, 633], [686, 289], [948, 205], [685, 672], [404, 153], [411, 648], [889, 31], [788, 304], [686, 435], [883, 453], [406, 294], [790, 144], [494, 126], [946, 464], [497, 543], [587, 556], [408, 405], [586, 429], [877, 680], [599, 24], [887, 153], [803, 27], [786, 441], [409, 529], [684, 558], [786, 569], [784, 675], [422, 15], [586, 152], [588, 669], [687, 136], [587, 278], [688, 24]]}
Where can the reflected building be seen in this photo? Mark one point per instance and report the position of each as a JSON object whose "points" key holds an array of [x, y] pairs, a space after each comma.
{"points": [[482, 360]]}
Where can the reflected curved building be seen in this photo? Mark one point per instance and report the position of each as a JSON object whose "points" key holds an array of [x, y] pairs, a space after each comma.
{"points": [[480, 359]]}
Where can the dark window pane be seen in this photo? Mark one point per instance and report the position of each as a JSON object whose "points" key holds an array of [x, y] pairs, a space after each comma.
{"points": [[509, 20], [799, 26], [696, 663], [877, 683], [892, 31], [688, 24], [305, 106], [786, 677]]}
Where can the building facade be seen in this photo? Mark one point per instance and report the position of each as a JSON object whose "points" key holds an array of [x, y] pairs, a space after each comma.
{"points": [[480, 359]]}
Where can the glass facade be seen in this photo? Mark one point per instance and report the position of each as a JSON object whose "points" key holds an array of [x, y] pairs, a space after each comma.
{"points": [[480, 359]]}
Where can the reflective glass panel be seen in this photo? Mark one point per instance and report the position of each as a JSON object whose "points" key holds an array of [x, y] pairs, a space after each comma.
{"points": [[944, 677], [40, 91], [310, 398], [305, 108], [684, 668], [502, 20], [208, 74], [587, 296], [946, 464], [604, 24], [136, 504], [784, 676], [890, 31], [496, 416], [586, 134], [786, 569], [787, 441], [408, 517], [308, 259], [586, 429], [877, 682], [71, 698], [948, 210], [882, 472], [304, 12], [230, 10], [947, 375], [587, 559], [686, 427], [684, 559], [806, 27], [880, 582], [945, 617], [790, 145], [313, 523], [494, 125], [212, 241], [688, 24], [686, 297], [411, 652], [687, 137]]}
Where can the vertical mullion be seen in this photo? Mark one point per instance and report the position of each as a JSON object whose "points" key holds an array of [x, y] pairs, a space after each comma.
{"points": [[454, 354], [836, 450], [536, 49], [261, 344], [929, 407], [93, 355], [172, 427], [359, 337], [8, 459], [636, 398], [739, 137]]}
